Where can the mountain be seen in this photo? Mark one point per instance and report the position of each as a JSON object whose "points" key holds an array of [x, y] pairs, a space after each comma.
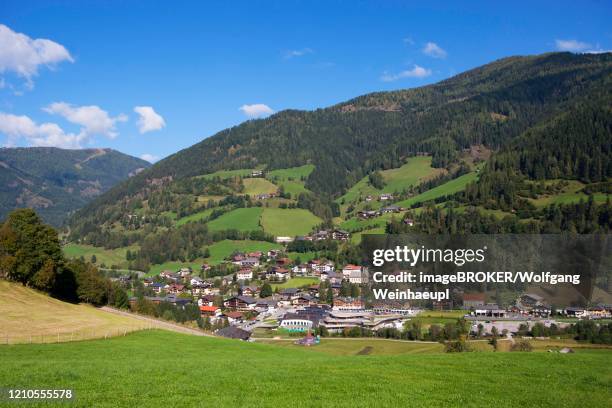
{"points": [[56, 181], [510, 139]]}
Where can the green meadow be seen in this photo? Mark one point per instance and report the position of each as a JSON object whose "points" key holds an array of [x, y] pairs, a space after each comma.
{"points": [[157, 368], [296, 282], [291, 179], [241, 219], [107, 257], [288, 222], [451, 187], [194, 217], [258, 185]]}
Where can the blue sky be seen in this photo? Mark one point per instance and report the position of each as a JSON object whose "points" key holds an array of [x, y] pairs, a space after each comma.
{"points": [[151, 78]]}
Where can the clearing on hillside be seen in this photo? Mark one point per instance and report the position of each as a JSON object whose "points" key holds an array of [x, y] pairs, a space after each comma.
{"points": [[241, 219], [292, 179], [107, 257], [288, 222], [27, 315], [451, 187], [258, 185], [194, 217]]}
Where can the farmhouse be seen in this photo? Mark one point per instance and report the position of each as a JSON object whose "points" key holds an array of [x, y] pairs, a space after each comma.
{"points": [[473, 300], [348, 304], [301, 270], [240, 303], [244, 274], [210, 311], [233, 332]]}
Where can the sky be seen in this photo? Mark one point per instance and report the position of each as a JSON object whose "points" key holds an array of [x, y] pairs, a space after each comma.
{"points": [[149, 78]]}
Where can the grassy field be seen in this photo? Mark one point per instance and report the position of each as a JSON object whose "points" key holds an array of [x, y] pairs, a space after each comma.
{"points": [[174, 266], [450, 187], [224, 174], [222, 249], [161, 368], [415, 171], [27, 315], [356, 237], [107, 257], [345, 347], [288, 222], [194, 217], [296, 282], [241, 219], [570, 194], [254, 186], [291, 179]]}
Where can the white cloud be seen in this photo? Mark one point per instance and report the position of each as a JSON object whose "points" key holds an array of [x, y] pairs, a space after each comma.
{"points": [[149, 157], [46, 134], [23, 55], [92, 119], [149, 120], [571, 45], [408, 41], [415, 72], [434, 50], [298, 53], [256, 110]]}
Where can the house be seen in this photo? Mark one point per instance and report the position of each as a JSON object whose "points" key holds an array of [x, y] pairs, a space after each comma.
{"points": [[390, 209], [386, 197], [289, 293], [248, 261], [283, 262], [331, 276], [233, 332], [340, 235], [175, 288], [196, 281], [348, 269], [529, 300], [244, 274], [319, 266], [240, 303], [281, 273], [266, 305], [233, 317], [169, 275], [540, 311], [301, 270], [367, 214], [157, 287], [255, 254], [206, 300], [409, 222], [473, 300], [273, 253], [577, 312], [303, 300], [348, 304], [283, 240], [249, 290], [210, 311], [489, 310], [183, 272], [257, 173]]}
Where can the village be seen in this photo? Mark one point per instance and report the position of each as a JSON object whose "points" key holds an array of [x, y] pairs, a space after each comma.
{"points": [[258, 299]]}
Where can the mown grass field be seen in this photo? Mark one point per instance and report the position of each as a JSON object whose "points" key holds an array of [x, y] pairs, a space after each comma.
{"points": [[241, 219], [296, 282], [27, 315], [288, 222], [415, 171], [175, 266], [161, 368], [107, 257], [194, 217], [291, 179], [258, 185], [570, 194], [222, 249], [450, 187]]}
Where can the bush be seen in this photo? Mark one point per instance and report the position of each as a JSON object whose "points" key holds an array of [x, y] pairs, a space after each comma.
{"points": [[522, 345]]}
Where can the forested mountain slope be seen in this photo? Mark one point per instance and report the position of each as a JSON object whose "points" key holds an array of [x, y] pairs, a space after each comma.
{"points": [[57, 181]]}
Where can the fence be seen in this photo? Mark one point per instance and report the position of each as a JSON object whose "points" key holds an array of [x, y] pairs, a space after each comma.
{"points": [[73, 335]]}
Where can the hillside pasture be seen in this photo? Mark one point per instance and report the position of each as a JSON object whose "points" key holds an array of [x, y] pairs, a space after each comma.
{"points": [[194, 217], [104, 256], [288, 222], [450, 187], [258, 185], [241, 219], [30, 316]]}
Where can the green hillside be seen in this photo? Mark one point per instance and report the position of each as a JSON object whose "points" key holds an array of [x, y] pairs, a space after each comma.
{"points": [[241, 219], [57, 181], [288, 222], [446, 189], [245, 374]]}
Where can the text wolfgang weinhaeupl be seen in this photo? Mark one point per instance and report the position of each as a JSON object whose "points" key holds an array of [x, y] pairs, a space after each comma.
{"points": [[468, 260]]}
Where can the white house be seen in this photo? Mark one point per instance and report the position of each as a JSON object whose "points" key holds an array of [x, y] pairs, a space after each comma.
{"points": [[244, 274]]}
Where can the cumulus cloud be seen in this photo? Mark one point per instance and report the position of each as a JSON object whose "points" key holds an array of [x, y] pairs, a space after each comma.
{"points": [[23, 55], [298, 53], [149, 157], [571, 45], [434, 50], [256, 110], [46, 134], [415, 72], [92, 119], [148, 120]]}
